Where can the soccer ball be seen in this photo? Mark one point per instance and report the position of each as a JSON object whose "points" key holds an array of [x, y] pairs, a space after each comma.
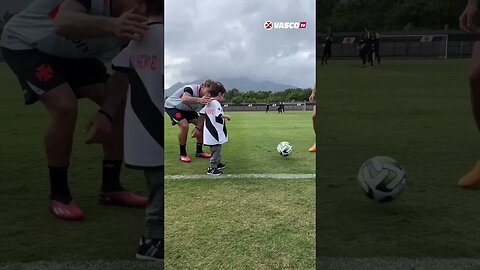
{"points": [[284, 149], [382, 179]]}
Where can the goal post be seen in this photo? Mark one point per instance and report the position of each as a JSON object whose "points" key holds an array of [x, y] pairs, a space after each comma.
{"points": [[414, 46]]}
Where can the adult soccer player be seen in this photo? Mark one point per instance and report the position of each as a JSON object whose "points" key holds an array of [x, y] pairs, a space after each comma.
{"points": [[327, 49], [53, 47], [143, 141], [314, 118], [466, 20], [183, 107]]}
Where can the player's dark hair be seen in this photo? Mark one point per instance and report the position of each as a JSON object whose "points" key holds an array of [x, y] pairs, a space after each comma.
{"points": [[154, 7], [217, 89]]}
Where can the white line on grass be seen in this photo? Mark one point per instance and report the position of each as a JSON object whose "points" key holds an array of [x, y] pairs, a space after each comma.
{"points": [[393, 263], [281, 176]]}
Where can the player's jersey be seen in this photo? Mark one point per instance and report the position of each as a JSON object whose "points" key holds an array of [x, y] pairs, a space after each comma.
{"points": [[214, 129], [175, 100], [328, 43], [33, 28], [144, 111]]}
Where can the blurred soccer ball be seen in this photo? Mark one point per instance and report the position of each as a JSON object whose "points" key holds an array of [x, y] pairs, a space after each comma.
{"points": [[382, 179]]}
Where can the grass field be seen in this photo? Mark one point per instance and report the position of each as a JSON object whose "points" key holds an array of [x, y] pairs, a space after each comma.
{"points": [[417, 112], [210, 224], [244, 223]]}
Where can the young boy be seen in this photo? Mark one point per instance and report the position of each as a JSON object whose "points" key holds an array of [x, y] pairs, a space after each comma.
{"points": [[143, 141], [214, 128]]}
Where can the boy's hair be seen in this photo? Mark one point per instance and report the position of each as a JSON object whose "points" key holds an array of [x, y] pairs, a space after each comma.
{"points": [[154, 7], [208, 83], [217, 89]]}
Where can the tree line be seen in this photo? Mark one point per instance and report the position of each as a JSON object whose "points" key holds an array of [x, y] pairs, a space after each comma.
{"points": [[385, 15], [289, 95]]}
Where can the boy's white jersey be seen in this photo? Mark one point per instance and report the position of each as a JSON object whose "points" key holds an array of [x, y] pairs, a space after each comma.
{"points": [[214, 129], [144, 110]]}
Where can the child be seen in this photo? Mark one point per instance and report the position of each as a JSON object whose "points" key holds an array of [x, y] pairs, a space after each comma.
{"points": [[143, 140], [214, 128]]}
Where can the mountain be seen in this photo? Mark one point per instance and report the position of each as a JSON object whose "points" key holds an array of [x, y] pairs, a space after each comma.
{"points": [[242, 84]]}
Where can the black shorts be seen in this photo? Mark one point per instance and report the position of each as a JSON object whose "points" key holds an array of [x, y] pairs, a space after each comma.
{"points": [[38, 72], [177, 115]]}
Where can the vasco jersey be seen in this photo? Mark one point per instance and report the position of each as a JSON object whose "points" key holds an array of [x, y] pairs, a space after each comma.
{"points": [[175, 100], [143, 138], [33, 28], [214, 129]]}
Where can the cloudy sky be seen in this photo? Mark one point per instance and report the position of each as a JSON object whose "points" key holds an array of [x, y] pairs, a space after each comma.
{"points": [[227, 39]]}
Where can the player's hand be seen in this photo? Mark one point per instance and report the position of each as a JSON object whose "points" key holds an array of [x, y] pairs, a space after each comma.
{"points": [[205, 100], [130, 25], [312, 98], [467, 18], [98, 129]]}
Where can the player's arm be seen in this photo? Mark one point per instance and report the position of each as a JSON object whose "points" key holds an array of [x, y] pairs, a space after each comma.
{"points": [[188, 99], [312, 96], [467, 18], [74, 22]]}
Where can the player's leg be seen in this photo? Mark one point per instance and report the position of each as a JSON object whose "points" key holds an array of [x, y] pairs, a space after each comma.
{"points": [[314, 118], [41, 79], [472, 178], [94, 88], [215, 160], [151, 245], [193, 118]]}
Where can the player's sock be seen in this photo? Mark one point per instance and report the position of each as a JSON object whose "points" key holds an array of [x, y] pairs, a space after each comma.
{"points": [[59, 190], [199, 147], [111, 176], [183, 150]]}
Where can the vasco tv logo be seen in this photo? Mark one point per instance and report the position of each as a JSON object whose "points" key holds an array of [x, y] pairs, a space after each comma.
{"points": [[269, 25]]}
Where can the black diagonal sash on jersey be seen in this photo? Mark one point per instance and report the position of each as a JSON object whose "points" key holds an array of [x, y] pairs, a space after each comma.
{"points": [[211, 128], [148, 114]]}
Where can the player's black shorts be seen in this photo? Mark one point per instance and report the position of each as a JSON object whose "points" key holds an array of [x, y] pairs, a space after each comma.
{"points": [[177, 115], [38, 72]]}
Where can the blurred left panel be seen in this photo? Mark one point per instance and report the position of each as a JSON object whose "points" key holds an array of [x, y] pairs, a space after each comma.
{"points": [[82, 98]]}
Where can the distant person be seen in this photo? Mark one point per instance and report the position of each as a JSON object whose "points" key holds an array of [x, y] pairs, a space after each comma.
{"points": [[467, 23], [183, 107], [376, 47], [362, 49], [283, 107], [214, 128], [54, 47], [369, 48], [327, 49], [279, 108], [267, 108], [314, 118]]}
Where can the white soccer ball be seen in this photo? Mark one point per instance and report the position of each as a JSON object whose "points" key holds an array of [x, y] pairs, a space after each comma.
{"points": [[284, 149], [382, 179]]}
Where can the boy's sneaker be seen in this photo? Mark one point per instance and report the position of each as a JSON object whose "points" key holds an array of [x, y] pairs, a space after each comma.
{"points": [[221, 166], [214, 171], [150, 249]]}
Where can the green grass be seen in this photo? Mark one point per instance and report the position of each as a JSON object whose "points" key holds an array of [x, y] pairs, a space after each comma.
{"points": [[210, 224], [244, 223], [417, 112]]}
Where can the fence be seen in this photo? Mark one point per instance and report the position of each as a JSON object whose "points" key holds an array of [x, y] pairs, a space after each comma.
{"points": [[245, 107], [442, 44]]}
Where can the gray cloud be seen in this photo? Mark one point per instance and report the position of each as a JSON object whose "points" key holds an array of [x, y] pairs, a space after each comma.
{"points": [[226, 39]]}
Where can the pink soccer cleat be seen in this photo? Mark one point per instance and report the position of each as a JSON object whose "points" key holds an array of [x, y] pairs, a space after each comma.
{"points": [[124, 198], [68, 211]]}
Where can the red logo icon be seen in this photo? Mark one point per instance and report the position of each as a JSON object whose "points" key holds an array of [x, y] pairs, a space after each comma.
{"points": [[303, 24], [44, 72], [178, 115], [268, 25]]}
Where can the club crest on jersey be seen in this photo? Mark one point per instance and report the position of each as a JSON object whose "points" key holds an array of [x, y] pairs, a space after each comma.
{"points": [[178, 115], [44, 72]]}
